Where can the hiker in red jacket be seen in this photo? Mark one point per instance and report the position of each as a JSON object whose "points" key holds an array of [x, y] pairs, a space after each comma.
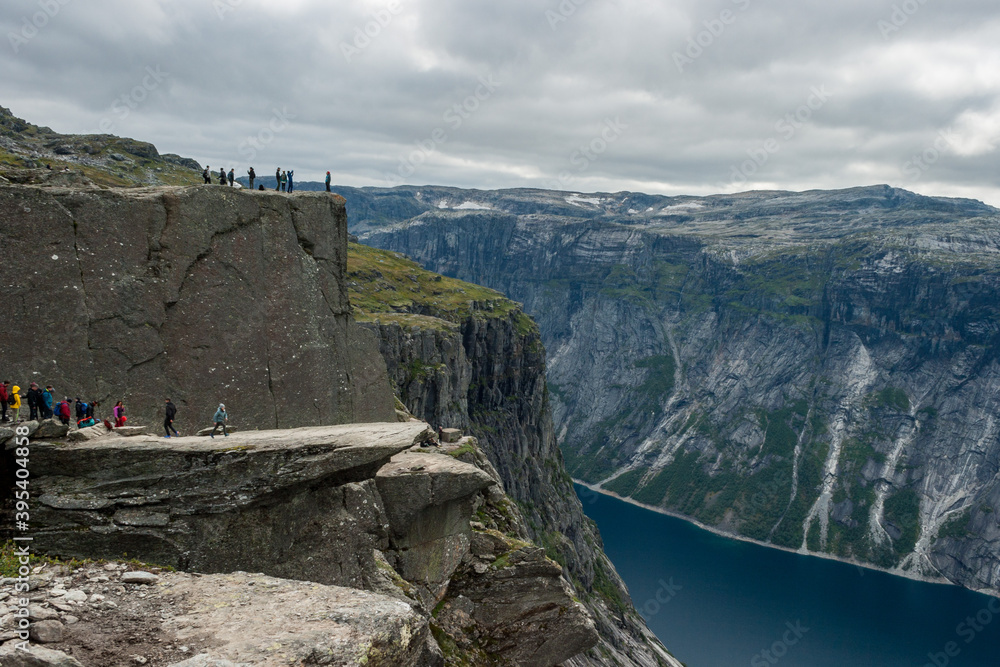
{"points": [[4, 399], [63, 411]]}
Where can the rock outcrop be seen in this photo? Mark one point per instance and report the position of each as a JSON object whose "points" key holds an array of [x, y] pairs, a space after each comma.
{"points": [[369, 507], [813, 370], [203, 295], [300, 504], [465, 357]]}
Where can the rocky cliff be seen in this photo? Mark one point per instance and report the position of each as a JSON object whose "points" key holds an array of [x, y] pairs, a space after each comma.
{"points": [[464, 356], [351, 508], [817, 370], [203, 295], [209, 294]]}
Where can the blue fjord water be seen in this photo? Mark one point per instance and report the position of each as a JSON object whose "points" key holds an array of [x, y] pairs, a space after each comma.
{"points": [[717, 602]]}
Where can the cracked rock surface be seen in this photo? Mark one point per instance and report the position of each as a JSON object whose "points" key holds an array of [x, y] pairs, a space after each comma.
{"points": [[200, 294]]}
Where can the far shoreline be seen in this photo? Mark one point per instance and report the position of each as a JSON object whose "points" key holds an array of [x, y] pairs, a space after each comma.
{"points": [[809, 554]]}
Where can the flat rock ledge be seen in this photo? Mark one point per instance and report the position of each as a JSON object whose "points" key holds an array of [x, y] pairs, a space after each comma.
{"points": [[219, 620], [298, 503]]}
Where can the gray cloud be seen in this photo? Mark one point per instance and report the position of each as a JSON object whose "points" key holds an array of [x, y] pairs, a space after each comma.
{"points": [[911, 89]]}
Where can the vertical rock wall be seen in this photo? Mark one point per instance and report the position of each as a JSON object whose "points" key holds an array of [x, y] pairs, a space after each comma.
{"points": [[202, 294]]}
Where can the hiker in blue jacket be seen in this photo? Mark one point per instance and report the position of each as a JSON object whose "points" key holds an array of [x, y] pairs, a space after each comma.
{"points": [[290, 184], [220, 420], [48, 402], [327, 181]]}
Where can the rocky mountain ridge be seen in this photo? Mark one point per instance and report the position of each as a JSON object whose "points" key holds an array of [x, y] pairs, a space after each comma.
{"points": [[813, 370], [104, 159]]}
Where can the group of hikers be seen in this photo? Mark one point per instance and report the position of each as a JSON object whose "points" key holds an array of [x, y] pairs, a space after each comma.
{"points": [[284, 180], [42, 405]]}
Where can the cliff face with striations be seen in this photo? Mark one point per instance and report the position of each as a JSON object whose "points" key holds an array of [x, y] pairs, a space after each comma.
{"points": [[816, 371], [463, 356], [209, 294], [204, 295]]}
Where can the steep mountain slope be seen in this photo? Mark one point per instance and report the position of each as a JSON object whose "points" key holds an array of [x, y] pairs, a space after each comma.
{"points": [[814, 370], [464, 356]]}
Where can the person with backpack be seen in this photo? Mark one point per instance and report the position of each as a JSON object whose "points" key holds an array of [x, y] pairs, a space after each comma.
{"points": [[220, 419], [63, 411], [48, 402], [327, 181], [284, 181], [118, 412], [222, 175], [4, 400], [277, 179], [90, 409], [168, 420], [205, 175], [252, 176], [81, 409], [232, 177], [290, 172]]}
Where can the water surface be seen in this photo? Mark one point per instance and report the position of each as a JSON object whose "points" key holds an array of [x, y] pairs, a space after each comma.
{"points": [[717, 602]]}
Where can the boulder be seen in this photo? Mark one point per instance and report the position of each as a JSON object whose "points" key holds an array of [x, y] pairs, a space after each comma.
{"points": [[46, 632], [10, 656], [451, 435], [49, 429], [139, 577], [428, 499], [6, 433], [89, 433], [37, 613]]}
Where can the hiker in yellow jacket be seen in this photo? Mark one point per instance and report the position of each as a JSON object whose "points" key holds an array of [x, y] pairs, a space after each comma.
{"points": [[14, 403]]}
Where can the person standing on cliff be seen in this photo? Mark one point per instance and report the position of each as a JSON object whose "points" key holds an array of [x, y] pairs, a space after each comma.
{"points": [[222, 175], [232, 177], [220, 419], [48, 402], [14, 400], [277, 179], [81, 410], [290, 172], [284, 181], [119, 414], [4, 400], [168, 419], [327, 181], [34, 398], [253, 175], [63, 411], [205, 175]]}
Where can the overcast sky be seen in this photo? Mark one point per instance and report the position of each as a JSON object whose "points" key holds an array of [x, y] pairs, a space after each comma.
{"points": [[673, 97]]}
